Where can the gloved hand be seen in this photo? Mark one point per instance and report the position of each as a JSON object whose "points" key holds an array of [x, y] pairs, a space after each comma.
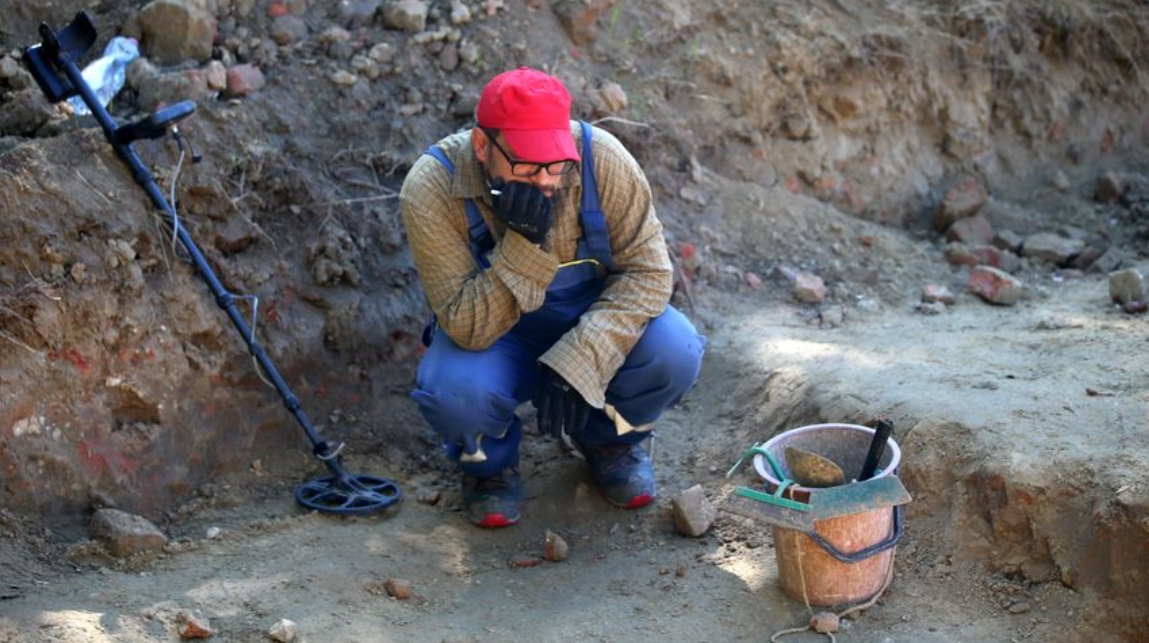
{"points": [[523, 208], [561, 408]]}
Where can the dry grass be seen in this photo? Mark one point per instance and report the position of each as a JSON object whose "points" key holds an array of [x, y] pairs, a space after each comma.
{"points": [[13, 300]]}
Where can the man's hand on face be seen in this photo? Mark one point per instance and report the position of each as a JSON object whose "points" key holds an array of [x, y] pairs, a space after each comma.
{"points": [[523, 208], [561, 408]]}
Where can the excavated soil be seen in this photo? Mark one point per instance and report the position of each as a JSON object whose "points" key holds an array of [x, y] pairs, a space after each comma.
{"points": [[823, 137]]}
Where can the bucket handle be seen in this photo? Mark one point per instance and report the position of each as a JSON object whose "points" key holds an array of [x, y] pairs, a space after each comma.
{"points": [[863, 554]]}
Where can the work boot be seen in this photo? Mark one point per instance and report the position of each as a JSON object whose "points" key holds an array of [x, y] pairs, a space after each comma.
{"points": [[622, 473], [495, 501]]}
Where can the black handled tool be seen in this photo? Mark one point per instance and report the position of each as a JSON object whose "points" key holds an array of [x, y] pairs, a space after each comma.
{"points": [[877, 448]]}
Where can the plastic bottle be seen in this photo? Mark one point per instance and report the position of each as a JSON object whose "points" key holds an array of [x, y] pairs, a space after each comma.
{"points": [[106, 74]]}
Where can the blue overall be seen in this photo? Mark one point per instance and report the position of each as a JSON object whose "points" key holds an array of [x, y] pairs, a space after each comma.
{"points": [[480, 390]]}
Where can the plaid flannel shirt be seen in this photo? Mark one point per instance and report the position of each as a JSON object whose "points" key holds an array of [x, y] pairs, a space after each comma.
{"points": [[475, 307]]}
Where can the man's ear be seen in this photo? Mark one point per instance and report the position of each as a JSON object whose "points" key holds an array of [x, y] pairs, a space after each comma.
{"points": [[479, 144]]}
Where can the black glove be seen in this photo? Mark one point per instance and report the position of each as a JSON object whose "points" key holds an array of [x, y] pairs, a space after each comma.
{"points": [[523, 208], [561, 407]]}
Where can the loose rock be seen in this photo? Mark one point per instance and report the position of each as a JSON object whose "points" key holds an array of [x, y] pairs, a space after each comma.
{"points": [[449, 57], [1008, 240], [994, 286], [577, 20], [288, 29], [960, 254], [1126, 286], [974, 230], [555, 548], [243, 80], [613, 98], [931, 308], [383, 52], [334, 34], [344, 77], [406, 15], [176, 30], [25, 113], [809, 287], [1060, 181], [824, 622], [962, 200], [1053, 248], [124, 534], [193, 626], [933, 292], [1019, 608], [8, 67], [831, 316], [283, 631], [358, 13], [216, 75], [398, 588], [460, 13], [693, 512], [1110, 188]]}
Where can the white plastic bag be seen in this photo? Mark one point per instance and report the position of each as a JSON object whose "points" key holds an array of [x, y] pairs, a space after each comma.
{"points": [[106, 74]]}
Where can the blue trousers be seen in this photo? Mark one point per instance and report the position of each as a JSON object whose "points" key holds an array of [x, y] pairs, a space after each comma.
{"points": [[481, 389]]}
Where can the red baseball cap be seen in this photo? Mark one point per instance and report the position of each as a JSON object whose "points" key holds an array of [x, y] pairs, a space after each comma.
{"points": [[533, 111]]}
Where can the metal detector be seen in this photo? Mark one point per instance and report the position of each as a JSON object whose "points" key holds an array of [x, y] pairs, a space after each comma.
{"points": [[53, 63]]}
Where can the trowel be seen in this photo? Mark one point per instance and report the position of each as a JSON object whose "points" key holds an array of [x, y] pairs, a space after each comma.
{"points": [[812, 470], [781, 509]]}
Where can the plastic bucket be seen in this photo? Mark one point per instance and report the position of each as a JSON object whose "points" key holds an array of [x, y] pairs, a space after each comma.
{"points": [[847, 559]]}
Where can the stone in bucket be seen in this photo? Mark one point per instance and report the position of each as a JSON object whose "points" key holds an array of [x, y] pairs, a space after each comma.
{"points": [[812, 470]]}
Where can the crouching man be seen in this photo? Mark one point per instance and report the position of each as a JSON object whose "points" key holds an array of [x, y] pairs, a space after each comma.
{"points": [[538, 248]]}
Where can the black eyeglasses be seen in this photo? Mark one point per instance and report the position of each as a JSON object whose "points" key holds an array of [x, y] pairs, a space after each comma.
{"points": [[527, 169]]}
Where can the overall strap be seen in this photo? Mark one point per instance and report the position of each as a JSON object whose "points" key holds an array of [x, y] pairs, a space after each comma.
{"points": [[477, 231], [590, 211]]}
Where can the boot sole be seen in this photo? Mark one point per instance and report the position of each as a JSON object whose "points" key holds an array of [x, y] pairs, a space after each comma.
{"points": [[496, 521]]}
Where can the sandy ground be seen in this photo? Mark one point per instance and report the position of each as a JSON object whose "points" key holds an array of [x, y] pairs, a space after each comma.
{"points": [[990, 372]]}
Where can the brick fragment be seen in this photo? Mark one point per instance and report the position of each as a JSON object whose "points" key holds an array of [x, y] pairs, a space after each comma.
{"points": [[994, 286], [809, 287]]}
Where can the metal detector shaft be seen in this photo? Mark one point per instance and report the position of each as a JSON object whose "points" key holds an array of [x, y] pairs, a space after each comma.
{"points": [[223, 298]]}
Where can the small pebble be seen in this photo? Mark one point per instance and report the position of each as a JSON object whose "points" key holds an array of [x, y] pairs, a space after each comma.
{"points": [[1019, 608], [824, 622], [283, 631], [555, 549], [193, 626], [398, 588]]}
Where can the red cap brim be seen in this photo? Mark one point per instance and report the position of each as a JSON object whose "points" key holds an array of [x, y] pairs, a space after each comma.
{"points": [[541, 145]]}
